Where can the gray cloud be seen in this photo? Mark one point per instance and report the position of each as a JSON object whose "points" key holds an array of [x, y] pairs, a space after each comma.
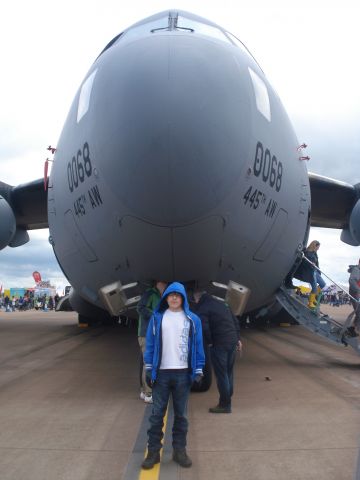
{"points": [[18, 264], [334, 149]]}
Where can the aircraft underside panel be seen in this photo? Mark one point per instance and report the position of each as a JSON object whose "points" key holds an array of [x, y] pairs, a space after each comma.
{"points": [[184, 251], [197, 248], [143, 244]]}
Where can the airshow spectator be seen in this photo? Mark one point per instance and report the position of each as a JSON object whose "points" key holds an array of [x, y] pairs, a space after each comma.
{"points": [[174, 358], [145, 308], [308, 273], [221, 332], [354, 290]]}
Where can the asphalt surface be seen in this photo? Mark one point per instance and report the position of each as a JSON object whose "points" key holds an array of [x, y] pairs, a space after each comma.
{"points": [[70, 410]]}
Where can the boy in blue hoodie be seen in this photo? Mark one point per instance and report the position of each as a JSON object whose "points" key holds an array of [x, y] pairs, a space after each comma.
{"points": [[174, 358]]}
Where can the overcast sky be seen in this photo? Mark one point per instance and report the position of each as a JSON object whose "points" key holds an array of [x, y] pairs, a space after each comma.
{"points": [[308, 50]]}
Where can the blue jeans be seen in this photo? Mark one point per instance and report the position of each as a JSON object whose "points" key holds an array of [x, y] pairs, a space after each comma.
{"points": [[223, 359], [176, 383], [317, 279]]}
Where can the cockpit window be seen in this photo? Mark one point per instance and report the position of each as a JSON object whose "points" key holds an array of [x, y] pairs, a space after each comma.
{"points": [[84, 97], [239, 44], [147, 28], [110, 44], [176, 23], [172, 22], [261, 95], [187, 24]]}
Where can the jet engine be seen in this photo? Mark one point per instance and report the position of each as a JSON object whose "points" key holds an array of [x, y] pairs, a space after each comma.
{"points": [[7, 223], [354, 223]]}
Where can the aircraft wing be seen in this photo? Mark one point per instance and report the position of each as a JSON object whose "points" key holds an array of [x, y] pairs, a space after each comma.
{"points": [[335, 204], [22, 208], [332, 202]]}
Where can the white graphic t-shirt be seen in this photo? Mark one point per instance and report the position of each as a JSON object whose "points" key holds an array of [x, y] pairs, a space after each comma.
{"points": [[175, 340]]}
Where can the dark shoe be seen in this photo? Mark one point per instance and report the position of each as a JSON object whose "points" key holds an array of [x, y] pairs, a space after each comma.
{"points": [[182, 458], [351, 331], [150, 460], [219, 409]]}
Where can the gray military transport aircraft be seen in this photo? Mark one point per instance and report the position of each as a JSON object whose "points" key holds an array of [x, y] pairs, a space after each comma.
{"points": [[177, 161]]}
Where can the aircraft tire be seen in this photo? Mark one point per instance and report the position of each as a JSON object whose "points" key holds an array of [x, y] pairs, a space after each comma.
{"points": [[85, 321]]}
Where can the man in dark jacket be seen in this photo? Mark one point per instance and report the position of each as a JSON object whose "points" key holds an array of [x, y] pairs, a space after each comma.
{"points": [[221, 332], [147, 304]]}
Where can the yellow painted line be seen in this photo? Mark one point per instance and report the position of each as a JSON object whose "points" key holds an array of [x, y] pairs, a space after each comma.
{"points": [[153, 473]]}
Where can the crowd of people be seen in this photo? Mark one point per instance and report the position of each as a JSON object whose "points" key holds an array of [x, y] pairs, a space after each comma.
{"points": [[335, 298], [332, 297], [28, 302]]}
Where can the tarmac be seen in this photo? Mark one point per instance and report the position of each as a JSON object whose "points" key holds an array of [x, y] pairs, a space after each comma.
{"points": [[70, 407]]}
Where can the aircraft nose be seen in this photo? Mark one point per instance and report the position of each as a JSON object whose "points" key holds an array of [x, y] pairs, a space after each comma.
{"points": [[180, 124]]}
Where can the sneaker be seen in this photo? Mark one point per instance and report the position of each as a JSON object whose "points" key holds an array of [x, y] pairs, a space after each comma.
{"points": [[150, 460], [219, 409], [182, 458], [142, 395], [148, 399]]}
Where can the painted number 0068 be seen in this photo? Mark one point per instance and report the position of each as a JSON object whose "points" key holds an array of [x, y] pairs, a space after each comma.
{"points": [[79, 167], [267, 167]]}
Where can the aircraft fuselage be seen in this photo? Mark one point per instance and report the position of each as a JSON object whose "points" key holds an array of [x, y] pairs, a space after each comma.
{"points": [[177, 162]]}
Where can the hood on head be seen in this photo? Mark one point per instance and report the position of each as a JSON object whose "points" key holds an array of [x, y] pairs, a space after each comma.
{"points": [[173, 287]]}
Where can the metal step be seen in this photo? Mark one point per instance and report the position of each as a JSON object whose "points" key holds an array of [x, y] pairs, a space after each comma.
{"points": [[317, 322]]}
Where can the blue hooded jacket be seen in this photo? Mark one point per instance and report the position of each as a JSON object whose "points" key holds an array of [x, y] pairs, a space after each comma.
{"points": [[153, 351]]}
